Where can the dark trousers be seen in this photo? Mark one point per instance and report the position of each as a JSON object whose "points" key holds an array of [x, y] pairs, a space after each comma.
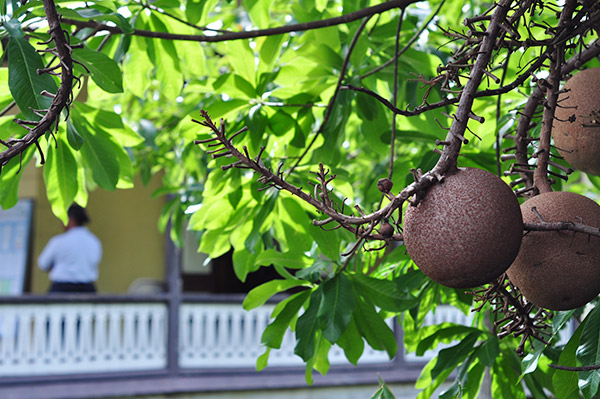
{"points": [[72, 287]]}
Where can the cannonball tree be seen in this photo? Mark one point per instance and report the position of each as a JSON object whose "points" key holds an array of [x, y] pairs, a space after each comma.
{"points": [[313, 132]]}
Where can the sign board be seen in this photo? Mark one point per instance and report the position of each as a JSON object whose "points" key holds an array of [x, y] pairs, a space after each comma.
{"points": [[15, 226]]}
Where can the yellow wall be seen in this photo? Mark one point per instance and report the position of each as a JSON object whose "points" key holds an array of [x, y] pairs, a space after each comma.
{"points": [[124, 220]]}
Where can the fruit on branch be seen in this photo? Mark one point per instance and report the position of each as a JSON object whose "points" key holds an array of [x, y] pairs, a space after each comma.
{"points": [[467, 229], [576, 130], [386, 230], [558, 270]]}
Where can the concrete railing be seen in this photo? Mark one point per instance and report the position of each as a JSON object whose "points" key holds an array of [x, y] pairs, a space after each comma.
{"points": [[66, 338], [127, 334]]}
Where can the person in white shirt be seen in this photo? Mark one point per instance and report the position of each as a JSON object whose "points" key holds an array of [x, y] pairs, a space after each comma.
{"points": [[72, 258]]}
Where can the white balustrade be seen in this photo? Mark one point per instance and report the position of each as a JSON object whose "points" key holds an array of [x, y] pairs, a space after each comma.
{"points": [[53, 338], [225, 335], [72, 338]]}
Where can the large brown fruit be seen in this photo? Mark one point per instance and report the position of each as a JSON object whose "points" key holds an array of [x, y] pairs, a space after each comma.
{"points": [[466, 231], [558, 270], [578, 141]]}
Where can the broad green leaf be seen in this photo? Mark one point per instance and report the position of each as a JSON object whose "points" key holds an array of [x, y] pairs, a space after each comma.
{"points": [[10, 179], [505, 379], [73, 137], [373, 327], [13, 26], [383, 293], [244, 263], [352, 343], [60, 175], [530, 362], [290, 260], [259, 295], [306, 328], [258, 11], [113, 123], [565, 383], [239, 52], [489, 351], [26, 85], [264, 213], [269, 50], [449, 358], [321, 360], [336, 307], [105, 72], [273, 334], [588, 353], [461, 382], [262, 360], [136, 69], [443, 334], [99, 152]]}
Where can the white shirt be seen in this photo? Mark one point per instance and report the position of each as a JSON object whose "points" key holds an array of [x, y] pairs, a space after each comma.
{"points": [[72, 256]]}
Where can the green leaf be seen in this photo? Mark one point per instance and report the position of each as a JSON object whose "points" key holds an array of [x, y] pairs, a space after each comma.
{"points": [[60, 175], [269, 51], [239, 52], [336, 307], [588, 353], [565, 383], [262, 360], [292, 260], [373, 327], [23, 80], [273, 334], [264, 212], [383, 393], [530, 362], [383, 293], [73, 137], [489, 351], [352, 343], [505, 378], [449, 358], [105, 72], [99, 152], [10, 179], [259, 295], [307, 326], [443, 334], [13, 26], [244, 263]]}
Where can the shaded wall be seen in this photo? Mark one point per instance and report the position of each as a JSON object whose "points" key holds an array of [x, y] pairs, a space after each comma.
{"points": [[124, 220]]}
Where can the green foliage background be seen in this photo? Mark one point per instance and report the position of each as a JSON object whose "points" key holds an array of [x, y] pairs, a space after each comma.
{"points": [[141, 97]]}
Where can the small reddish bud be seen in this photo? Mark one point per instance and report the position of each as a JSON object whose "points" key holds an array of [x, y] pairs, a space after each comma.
{"points": [[385, 185], [386, 230]]}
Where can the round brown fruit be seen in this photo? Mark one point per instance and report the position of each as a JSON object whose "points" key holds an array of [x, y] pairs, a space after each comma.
{"points": [[558, 270], [576, 130], [466, 231]]}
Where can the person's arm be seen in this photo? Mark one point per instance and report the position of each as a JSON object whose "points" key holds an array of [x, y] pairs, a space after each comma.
{"points": [[46, 258]]}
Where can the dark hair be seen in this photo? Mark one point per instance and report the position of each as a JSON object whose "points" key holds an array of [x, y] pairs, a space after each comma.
{"points": [[78, 214]]}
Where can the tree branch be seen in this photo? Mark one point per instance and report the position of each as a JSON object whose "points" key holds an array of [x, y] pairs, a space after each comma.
{"points": [[343, 19], [62, 97]]}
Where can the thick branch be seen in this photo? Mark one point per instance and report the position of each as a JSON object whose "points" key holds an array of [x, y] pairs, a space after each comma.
{"points": [[63, 95], [455, 136], [343, 19], [557, 226], [540, 176], [579, 368]]}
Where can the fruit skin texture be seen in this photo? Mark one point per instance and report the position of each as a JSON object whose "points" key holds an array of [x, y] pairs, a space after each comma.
{"points": [[466, 231], [559, 270], [579, 145]]}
